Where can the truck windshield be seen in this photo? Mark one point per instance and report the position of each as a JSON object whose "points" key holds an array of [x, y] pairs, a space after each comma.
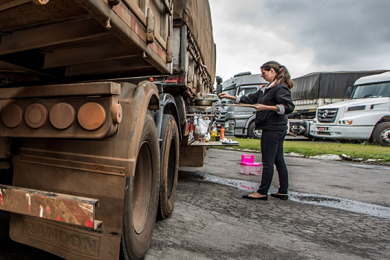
{"points": [[372, 91], [245, 91]]}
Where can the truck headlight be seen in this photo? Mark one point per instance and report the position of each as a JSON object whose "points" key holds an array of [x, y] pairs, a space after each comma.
{"points": [[345, 122]]}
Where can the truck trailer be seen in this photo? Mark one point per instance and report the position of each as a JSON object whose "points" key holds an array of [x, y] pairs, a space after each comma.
{"points": [[94, 97]]}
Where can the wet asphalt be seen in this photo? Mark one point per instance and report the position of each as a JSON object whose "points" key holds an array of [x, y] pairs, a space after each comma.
{"points": [[337, 210]]}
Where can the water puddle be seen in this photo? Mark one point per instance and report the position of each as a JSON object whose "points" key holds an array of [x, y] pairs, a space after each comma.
{"points": [[314, 199]]}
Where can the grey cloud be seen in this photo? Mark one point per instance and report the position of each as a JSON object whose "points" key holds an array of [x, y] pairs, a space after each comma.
{"points": [[339, 31]]}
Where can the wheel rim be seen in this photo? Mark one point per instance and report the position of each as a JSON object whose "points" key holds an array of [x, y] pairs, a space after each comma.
{"points": [[257, 133], [385, 135], [142, 187]]}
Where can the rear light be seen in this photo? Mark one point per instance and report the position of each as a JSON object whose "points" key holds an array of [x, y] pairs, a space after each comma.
{"points": [[40, 2], [174, 80], [35, 115], [62, 115], [91, 116], [12, 115], [71, 119]]}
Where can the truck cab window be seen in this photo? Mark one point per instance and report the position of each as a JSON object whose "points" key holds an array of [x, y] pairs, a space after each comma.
{"points": [[247, 91], [372, 91]]}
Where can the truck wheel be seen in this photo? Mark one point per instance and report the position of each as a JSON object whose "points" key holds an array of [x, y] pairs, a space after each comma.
{"points": [[169, 152], [381, 134], [141, 195], [252, 132]]}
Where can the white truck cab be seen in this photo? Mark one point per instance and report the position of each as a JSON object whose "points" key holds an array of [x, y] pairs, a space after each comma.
{"points": [[365, 117]]}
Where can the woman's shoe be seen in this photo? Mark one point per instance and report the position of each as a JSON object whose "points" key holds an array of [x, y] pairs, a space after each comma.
{"points": [[264, 197], [280, 196]]}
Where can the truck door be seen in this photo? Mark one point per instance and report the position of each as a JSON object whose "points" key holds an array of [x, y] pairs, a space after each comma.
{"points": [[242, 115]]}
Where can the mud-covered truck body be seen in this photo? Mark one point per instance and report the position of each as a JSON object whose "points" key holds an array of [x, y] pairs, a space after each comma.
{"points": [[90, 128]]}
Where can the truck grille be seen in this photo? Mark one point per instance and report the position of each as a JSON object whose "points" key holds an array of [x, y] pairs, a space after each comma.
{"points": [[327, 115]]}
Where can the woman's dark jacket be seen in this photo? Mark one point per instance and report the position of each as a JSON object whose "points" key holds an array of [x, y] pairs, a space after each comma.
{"points": [[267, 119]]}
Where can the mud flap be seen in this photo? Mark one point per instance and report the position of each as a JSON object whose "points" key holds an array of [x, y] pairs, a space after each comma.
{"points": [[68, 240]]}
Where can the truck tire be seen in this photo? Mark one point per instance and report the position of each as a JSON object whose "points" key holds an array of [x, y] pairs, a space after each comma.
{"points": [[381, 134], [252, 132], [141, 195], [169, 152]]}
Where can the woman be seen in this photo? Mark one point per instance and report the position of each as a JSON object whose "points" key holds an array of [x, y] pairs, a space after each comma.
{"points": [[273, 103]]}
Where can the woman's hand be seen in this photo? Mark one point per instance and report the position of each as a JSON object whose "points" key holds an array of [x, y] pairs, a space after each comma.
{"points": [[226, 95], [261, 107]]}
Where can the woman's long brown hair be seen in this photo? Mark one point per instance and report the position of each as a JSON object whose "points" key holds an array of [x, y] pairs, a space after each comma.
{"points": [[282, 74]]}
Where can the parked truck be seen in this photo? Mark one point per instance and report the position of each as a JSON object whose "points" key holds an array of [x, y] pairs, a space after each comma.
{"points": [[94, 96], [365, 117], [317, 89], [239, 120]]}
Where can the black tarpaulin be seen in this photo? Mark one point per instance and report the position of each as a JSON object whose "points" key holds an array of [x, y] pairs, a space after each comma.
{"points": [[327, 84]]}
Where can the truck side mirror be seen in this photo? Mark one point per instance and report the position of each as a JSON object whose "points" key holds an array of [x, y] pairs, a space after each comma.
{"points": [[219, 80], [219, 89], [348, 92], [219, 84]]}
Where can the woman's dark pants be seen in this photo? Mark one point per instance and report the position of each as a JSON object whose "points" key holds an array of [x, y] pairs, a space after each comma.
{"points": [[272, 153]]}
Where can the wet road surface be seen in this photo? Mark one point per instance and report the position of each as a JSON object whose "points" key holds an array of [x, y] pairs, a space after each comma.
{"points": [[337, 210], [211, 220]]}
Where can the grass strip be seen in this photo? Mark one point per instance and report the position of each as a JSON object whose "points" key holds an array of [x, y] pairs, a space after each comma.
{"points": [[362, 152]]}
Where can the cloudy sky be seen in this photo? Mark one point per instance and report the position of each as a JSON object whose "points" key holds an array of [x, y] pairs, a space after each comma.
{"points": [[304, 35]]}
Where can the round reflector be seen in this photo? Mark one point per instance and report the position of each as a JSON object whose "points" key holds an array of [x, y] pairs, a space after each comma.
{"points": [[91, 116], [62, 115], [12, 115], [36, 115]]}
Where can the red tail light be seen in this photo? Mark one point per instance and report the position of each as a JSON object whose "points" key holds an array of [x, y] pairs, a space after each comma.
{"points": [[174, 80]]}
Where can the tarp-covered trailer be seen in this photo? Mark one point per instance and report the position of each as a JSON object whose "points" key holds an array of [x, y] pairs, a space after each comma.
{"points": [[93, 147], [320, 88], [317, 89], [194, 58]]}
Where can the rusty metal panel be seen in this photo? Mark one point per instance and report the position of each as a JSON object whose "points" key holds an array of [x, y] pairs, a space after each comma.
{"points": [[79, 89], [59, 33], [192, 155], [67, 240], [81, 54], [66, 28], [79, 211], [92, 167]]}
